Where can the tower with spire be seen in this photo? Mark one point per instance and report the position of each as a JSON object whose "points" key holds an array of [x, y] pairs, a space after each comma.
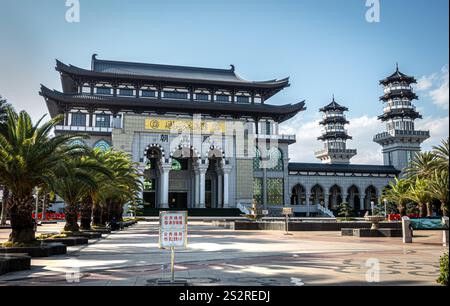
{"points": [[334, 135], [401, 140]]}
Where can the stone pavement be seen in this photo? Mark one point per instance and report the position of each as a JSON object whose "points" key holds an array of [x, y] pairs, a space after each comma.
{"points": [[225, 257]]}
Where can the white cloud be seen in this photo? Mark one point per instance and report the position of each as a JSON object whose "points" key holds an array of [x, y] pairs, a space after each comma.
{"points": [[438, 128], [362, 129], [436, 87]]}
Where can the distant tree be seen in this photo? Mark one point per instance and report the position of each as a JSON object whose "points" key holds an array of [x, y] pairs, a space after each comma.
{"points": [[345, 210]]}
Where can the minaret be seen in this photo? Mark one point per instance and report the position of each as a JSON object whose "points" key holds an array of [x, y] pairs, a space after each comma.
{"points": [[400, 141], [334, 135]]}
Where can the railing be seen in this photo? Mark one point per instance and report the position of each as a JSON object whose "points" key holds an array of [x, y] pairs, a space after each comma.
{"points": [[334, 116], [402, 133], [72, 128], [325, 211], [243, 208], [389, 108], [277, 137], [342, 130], [337, 151]]}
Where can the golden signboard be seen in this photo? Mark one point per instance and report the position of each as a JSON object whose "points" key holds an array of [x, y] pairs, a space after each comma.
{"points": [[167, 125]]}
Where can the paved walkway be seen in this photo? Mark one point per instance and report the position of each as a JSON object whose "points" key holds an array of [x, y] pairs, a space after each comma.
{"points": [[224, 257]]}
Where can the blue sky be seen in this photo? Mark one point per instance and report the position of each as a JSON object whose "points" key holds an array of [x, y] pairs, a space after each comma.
{"points": [[325, 46]]}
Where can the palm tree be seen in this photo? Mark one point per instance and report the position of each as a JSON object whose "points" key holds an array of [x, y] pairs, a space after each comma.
{"points": [[4, 106], [438, 189], [418, 193], [422, 165], [75, 179], [114, 194], [442, 156], [397, 193], [28, 158]]}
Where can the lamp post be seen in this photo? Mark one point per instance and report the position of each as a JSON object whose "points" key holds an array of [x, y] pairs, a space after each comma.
{"points": [[36, 216], [385, 207], [371, 206]]}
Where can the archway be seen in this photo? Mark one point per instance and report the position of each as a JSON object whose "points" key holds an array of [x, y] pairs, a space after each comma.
{"points": [[182, 183], [353, 198], [335, 197], [370, 196], [298, 195], [317, 195]]}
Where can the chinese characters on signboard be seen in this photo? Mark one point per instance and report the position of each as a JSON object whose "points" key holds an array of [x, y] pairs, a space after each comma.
{"points": [[173, 229]]}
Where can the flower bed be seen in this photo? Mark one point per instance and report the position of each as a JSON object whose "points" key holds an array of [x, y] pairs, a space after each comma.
{"points": [[397, 217]]}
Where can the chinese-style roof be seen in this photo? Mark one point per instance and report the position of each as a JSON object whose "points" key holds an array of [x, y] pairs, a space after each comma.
{"points": [[399, 94], [316, 167], [400, 112], [167, 74], [336, 119], [334, 135], [58, 101], [333, 106], [397, 76]]}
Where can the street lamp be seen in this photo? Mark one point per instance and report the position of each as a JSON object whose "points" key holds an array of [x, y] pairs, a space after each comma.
{"points": [[385, 207], [372, 206]]}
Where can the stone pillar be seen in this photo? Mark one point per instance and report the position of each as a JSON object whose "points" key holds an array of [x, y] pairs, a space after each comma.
{"points": [[197, 188], [219, 187], [202, 177], [308, 204], [326, 200], [226, 171], [361, 203], [165, 170]]}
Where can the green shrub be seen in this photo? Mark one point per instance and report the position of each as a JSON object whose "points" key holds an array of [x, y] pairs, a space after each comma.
{"points": [[443, 277], [10, 244]]}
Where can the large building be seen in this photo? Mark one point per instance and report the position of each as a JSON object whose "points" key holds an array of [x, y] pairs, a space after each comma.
{"points": [[207, 140]]}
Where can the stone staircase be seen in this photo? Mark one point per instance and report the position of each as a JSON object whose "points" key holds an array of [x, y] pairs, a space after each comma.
{"points": [[325, 211]]}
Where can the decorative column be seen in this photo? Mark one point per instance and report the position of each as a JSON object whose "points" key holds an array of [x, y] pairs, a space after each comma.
{"points": [[326, 200], [165, 169], [219, 187], [226, 171], [308, 204], [361, 203], [197, 188], [202, 175]]}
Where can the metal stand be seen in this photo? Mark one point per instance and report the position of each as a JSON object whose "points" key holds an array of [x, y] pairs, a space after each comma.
{"points": [[172, 281], [172, 263], [287, 225]]}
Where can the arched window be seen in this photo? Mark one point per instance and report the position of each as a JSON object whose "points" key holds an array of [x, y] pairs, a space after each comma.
{"points": [[102, 145], [276, 160], [257, 160]]}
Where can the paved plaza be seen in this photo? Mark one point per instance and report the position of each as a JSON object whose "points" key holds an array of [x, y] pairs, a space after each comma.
{"points": [[218, 256]]}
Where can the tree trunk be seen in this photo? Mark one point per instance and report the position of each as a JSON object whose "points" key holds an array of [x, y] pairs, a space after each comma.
{"points": [[423, 210], [22, 225], [444, 208], [429, 207], [96, 219], [402, 210], [71, 218], [86, 214], [45, 202], [4, 214]]}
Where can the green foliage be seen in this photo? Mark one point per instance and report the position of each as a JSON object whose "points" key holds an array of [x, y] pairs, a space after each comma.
{"points": [[412, 208], [136, 207], [443, 277], [10, 244], [345, 210]]}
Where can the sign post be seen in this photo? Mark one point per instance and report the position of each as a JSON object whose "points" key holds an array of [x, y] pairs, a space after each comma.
{"points": [[172, 235], [287, 211]]}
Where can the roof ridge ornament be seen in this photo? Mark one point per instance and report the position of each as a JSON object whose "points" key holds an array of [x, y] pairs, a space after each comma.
{"points": [[232, 67], [94, 58]]}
